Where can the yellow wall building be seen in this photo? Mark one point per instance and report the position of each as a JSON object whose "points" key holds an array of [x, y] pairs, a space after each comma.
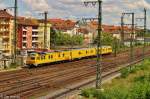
{"points": [[6, 32], [41, 35]]}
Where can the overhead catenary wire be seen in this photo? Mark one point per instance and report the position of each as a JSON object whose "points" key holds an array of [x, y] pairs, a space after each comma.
{"points": [[99, 43]]}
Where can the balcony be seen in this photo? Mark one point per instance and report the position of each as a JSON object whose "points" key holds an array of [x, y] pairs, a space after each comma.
{"points": [[5, 39], [24, 41], [24, 47], [35, 35], [4, 23], [4, 30], [24, 35], [35, 30], [5, 43], [5, 36], [35, 41], [24, 29]]}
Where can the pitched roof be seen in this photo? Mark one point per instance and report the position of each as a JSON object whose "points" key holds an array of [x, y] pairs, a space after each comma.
{"points": [[61, 24], [5, 14], [27, 21]]}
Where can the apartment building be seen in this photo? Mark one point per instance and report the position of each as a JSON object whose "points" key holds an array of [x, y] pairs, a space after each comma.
{"points": [[31, 34], [41, 34], [6, 32], [114, 30]]}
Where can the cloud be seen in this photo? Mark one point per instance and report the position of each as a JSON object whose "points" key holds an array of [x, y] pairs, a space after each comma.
{"points": [[112, 9], [38, 5], [2, 5], [138, 4]]}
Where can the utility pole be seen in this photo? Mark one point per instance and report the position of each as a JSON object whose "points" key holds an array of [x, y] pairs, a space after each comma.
{"points": [[132, 33], [145, 29], [45, 30], [45, 13], [99, 44], [132, 38], [122, 30], [15, 32]]}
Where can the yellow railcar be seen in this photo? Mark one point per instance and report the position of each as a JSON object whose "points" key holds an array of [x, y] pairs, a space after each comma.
{"points": [[38, 58]]}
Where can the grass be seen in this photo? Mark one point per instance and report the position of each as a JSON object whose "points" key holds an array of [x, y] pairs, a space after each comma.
{"points": [[134, 83]]}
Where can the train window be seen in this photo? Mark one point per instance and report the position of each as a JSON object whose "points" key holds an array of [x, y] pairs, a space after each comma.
{"points": [[79, 53], [51, 56], [91, 51], [86, 52], [44, 57], [59, 55], [63, 55], [70, 53], [32, 58]]}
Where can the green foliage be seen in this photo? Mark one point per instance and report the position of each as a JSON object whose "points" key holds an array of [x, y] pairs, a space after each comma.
{"points": [[143, 78], [125, 72], [139, 86], [141, 33], [138, 44], [89, 92], [114, 93], [58, 38], [107, 39], [142, 66], [140, 91]]}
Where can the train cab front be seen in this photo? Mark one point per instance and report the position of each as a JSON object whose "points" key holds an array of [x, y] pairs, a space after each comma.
{"points": [[31, 59]]}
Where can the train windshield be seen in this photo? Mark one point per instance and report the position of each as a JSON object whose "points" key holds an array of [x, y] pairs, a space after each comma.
{"points": [[31, 54], [32, 58]]}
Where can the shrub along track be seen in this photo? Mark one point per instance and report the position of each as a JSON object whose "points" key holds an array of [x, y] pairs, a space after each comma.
{"points": [[28, 82]]}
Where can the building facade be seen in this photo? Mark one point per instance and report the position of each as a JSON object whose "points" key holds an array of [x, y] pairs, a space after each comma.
{"points": [[31, 34], [6, 33]]}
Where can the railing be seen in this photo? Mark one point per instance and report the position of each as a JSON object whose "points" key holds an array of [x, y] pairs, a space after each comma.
{"points": [[35, 30]]}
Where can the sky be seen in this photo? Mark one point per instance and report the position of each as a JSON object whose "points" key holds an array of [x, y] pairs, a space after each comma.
{"points": [[75, 9]]}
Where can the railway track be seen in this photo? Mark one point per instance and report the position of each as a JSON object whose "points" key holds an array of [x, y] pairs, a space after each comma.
{"points": [[26, 83]]}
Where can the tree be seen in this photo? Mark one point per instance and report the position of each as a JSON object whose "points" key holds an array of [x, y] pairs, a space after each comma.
{"points": [[62, 39], [107, 39]]}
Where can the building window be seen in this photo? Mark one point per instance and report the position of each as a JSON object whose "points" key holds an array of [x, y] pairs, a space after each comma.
{"points": [[24, 33], [34, 27], [24, 38], [34, 33], [24, 45]]}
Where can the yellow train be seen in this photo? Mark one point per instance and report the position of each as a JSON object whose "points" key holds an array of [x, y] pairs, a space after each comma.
{"points": [[39, 58]]}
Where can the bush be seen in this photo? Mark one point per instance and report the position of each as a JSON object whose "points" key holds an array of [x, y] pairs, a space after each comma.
{"points": [[125, 72], [139, 87], [140, 91], [143, 78], [88, 92]]}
